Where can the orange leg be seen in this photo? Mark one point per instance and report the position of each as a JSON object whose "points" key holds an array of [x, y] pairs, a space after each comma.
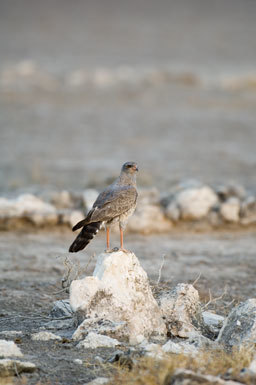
{"points": [[122, 241], [108, 243]]}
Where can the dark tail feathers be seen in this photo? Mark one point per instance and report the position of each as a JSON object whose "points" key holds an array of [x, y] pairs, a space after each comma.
{"points": [[79, 225], [85, 236]]}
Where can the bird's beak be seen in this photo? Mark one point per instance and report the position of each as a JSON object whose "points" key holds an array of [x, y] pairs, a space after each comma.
{"points": [[135, 168]]}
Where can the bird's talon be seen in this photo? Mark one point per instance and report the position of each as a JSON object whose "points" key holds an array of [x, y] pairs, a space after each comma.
{"points": [[124, 250]]}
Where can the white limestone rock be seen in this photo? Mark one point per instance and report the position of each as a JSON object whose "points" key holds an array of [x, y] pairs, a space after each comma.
{"points": [[9, 349], [94, 341], [119, 291], [195, 203], [45, 336], [12, 367], [230, 210], [239, 327], [180, 307]]}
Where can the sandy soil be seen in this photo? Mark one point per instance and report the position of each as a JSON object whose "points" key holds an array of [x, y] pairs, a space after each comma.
{"points": [[31, 270]]}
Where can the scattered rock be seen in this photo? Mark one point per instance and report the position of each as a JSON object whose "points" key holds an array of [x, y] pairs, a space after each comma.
{"points": [[11, 333], [58, 324], [240, 326], [62, 200], [213, 321], [124, 359], [172, 211], [230, 209], [187, 377], [231, 190], [61, 309], [195, 203], [14, 367], [9, 349], [119, 291], [112, 329], [45, 336], [180, 348], [26, 207], [94, 340], [180, 309], [98, 381], [78, 361], [148, 219], [248, 211]]}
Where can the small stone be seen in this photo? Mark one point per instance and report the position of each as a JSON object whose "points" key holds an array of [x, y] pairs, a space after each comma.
{"points": [[58, 324], [248, 211], [98, 381], [61, 309], [12, 367], [230, 209], [118, 330], [45, 336], [93, 341], [78, 361], [239, 328], [11, 333], [179, 348], [231, 190], [213, 320], [9, 349]]}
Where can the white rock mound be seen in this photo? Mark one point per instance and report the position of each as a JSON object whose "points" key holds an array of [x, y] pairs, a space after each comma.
{"points": [[119, 291]]}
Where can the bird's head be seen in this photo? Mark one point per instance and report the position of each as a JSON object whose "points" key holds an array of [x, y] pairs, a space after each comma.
{"points": [[130, 168]]}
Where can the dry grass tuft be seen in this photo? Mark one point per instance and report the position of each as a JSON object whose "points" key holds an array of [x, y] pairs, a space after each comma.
{"points": [[149, 371]]}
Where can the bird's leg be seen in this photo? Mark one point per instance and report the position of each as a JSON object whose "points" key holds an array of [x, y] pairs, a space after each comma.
{"points": [[108, 243], [122, 241]]}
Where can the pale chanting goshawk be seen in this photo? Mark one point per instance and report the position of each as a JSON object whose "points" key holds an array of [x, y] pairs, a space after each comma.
{"points": [[114, 204]]}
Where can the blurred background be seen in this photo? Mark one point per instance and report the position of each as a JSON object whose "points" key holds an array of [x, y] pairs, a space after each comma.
{"points": [[87, 85]]}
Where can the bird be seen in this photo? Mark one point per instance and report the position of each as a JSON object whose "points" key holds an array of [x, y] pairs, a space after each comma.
{"points": [[116, 203]]}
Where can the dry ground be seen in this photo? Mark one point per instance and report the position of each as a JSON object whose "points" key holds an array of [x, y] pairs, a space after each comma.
{"points": [[31, 270]]}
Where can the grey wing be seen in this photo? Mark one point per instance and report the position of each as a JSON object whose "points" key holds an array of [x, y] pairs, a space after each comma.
{"points": [[113, 203]]}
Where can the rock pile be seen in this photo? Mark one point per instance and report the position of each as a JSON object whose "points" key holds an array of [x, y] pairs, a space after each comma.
{"points": [[188, 203]]}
